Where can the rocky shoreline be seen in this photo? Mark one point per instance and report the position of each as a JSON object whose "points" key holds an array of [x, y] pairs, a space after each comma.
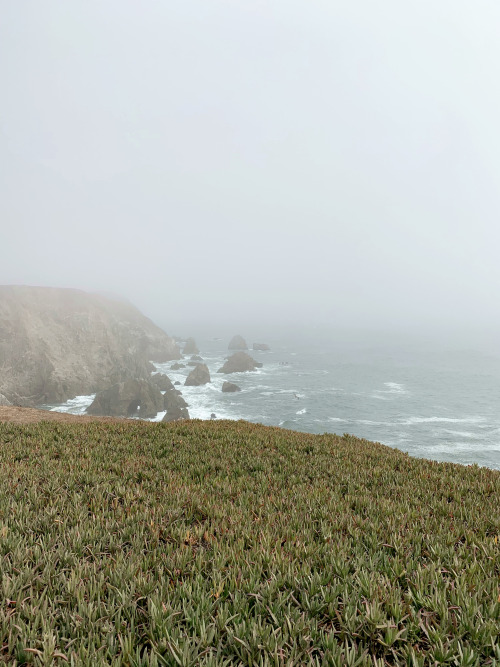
{"points": [[145, 399], [56, 344]]}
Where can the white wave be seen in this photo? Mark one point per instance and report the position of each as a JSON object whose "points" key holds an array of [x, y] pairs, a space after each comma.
{"points": [[372, 423], [395, 388], [461, 434], [301, 412], [158, 417], [392, 388], [207, 400], [445, 420], [336, 419], [295, 392], [455, 447], [75, 406]]}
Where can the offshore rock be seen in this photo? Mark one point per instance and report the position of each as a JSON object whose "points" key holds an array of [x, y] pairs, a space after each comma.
{"points": [[190, 347], [198, 376], [229, 387], [237, 343], [131, 398], [239, 362], [175, 406]]}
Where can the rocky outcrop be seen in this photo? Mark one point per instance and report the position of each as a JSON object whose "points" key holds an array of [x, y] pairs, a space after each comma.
{"points": [[190, 347], [261, 347], [229, 387], [4, 402], [58, 343], [196, 357], [161, 381], [198, 376], [237, 343], [177, 366], [175, 406], [239, 362], [131, 398]]}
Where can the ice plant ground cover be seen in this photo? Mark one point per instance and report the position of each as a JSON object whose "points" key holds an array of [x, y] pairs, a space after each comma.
{"points": [[229, 543]]}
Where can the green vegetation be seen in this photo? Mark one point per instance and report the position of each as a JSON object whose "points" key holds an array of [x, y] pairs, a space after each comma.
{"points": [[225, 543]]}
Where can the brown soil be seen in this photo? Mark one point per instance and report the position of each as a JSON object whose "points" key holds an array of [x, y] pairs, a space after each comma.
{"points": [[31, 415]]}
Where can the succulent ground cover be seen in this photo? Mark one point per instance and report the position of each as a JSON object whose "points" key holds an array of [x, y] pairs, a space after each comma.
{"points": [[228, 543]]}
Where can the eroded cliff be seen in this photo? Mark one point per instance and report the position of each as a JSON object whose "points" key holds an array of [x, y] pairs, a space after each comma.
{"points": [[57, 343]]}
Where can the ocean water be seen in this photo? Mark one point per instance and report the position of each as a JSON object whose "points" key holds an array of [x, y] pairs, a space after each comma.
{"points": [[428, 401]]}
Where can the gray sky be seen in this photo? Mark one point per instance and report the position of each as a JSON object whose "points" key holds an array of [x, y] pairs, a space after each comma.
{"points": [[331, 160]]}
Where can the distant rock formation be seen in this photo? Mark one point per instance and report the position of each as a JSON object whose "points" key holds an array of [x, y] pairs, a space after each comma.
{"points": [[175, 406], [198, 376], [229, 387], [163, 382], [261, 347], [131, 398], [196, 357], [58, 343], [177, 366], [3, 401], [237, 343], [239, 362], [190, 347]]}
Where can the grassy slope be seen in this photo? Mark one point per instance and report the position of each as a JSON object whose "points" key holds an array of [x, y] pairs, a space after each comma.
{"points": [[231, 543]]}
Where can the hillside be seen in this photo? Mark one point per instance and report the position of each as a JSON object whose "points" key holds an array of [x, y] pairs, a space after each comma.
{"points": [[229, 543], [58, 343]]}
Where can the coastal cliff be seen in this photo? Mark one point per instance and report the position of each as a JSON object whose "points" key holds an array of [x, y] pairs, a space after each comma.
{"points": [[57, 343]]}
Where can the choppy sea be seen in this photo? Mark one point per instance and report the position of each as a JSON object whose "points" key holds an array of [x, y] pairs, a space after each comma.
{"points": [[431, 402]]}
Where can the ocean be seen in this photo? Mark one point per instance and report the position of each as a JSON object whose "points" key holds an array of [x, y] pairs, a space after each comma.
{"points": [[430, 401]]}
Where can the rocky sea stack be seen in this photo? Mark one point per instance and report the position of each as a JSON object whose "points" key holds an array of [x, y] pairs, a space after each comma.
{"points": [[230, 387], [59, 343], [237, 343], [175, 406], [198, 376], [239, 362], [131, 398], [190, 347]]}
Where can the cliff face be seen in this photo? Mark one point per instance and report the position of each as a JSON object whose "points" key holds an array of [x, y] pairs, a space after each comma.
{"points": [[58, 343]]}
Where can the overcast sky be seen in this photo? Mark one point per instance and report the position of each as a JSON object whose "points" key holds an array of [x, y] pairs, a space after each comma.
{"points": [[330, 160]]}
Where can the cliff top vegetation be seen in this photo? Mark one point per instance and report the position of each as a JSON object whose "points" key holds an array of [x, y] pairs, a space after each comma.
{"points": [[221, 543]]}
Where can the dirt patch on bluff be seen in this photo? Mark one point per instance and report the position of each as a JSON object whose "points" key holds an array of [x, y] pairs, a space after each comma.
{"points": [[31, 415]]}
